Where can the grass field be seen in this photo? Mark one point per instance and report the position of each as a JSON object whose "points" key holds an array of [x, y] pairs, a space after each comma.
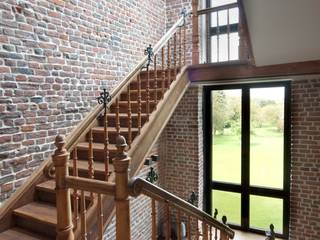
{"points": [[266, 168]]}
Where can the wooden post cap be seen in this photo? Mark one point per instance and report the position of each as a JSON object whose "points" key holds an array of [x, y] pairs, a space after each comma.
{"points": [[60, 144], [121, 145]]}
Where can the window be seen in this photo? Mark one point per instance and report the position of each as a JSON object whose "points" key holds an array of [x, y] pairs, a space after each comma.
{"points": [[247, 151], [222, 31]]}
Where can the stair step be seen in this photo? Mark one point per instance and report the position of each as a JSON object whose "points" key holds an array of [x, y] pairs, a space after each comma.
{"points": [[98, 151], [98, 134], [37, 217], [135, 93], [21, 234], [123, 106], [124, 119]]}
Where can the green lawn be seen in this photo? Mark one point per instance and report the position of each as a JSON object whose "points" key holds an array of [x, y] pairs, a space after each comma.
{"points": [[266, 167]]}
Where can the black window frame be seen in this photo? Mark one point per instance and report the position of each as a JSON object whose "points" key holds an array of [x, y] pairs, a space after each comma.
{"points": [[244, 188]]}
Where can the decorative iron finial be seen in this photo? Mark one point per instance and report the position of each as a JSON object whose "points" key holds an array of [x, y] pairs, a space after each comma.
{"points": [[193, 199], [104, 98], [183, 14], [215, 213], [271, 235], [224, 219], [148, 51], [121, 144], [152, 176]]}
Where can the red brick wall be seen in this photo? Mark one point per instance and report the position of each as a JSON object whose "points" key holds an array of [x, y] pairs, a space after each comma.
{"points": [[305, 185], [55, 56]]}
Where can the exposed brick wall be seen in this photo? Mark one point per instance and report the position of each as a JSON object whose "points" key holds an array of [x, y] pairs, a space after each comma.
{"points": [[305, 160], [55, 56], [181, 147]]}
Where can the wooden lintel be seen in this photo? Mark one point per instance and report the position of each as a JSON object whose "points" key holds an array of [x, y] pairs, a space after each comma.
{"points": [[232, 71]]}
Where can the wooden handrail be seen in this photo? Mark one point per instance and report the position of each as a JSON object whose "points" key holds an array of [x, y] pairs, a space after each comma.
{"points": [[90, 185], [139, 186]]}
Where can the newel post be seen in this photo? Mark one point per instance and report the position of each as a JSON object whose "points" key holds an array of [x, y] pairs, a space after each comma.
{"points": [[195, 32], [121, 166], [64, 215]]}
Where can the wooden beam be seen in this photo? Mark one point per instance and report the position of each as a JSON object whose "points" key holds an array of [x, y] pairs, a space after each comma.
{"points": [[239, 70]]}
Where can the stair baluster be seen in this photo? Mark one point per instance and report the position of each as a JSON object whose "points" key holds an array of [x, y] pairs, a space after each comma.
{"points": [[155, 80], [168, 222], [163, 73], [139, 103], [90, 161], [210, 232], [175, 55], [204, 231], [106, 145], [184, 45], [117, 116], [83, 211], [129, 117], [100, 217], [189, 230], [75, 195], [180, 48], [154, 220], [148, 94], [197, 229], [169, 64], [179, 224]]}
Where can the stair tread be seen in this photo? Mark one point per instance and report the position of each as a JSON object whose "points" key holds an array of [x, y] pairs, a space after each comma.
{"points": [[96, 146], [41, 212], [98, 166], [19, 233], [48, 186], [126, 114], [113, 129]]}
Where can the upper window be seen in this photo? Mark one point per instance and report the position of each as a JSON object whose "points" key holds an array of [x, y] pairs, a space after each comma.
{"points": [[222, 31]]}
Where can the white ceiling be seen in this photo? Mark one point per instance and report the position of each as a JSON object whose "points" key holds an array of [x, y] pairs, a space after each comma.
{"points": [[283, 31]]}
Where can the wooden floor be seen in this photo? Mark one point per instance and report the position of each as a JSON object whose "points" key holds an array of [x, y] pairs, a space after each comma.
{"points": [[247, 236]]}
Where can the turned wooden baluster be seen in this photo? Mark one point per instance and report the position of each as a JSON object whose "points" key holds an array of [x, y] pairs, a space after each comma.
{"points": [[148, 94], [180, 48], [83, 212], [175, 55], [168, 220], [90, 161], [155, 80], [215, 234], [154, 219], [163, 73], [75, 191], [179, 224], [169, 64], [139, 103], [106, 144], [117, 117], [100, 218], [121, 165], [184, 45], [204, 231], [195, 32], [64, 213], [197, 229], [129, 118]]}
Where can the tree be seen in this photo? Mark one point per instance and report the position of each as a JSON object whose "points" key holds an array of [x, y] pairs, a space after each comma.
{"points": [[219, 111]]}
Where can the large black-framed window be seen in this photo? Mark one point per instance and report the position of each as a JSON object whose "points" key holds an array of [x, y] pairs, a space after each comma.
{"points": [[246, 192]]}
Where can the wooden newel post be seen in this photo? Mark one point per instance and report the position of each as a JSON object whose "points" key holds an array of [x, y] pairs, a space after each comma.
{"points": [[121, 166], [195, 32], [64, 214]]}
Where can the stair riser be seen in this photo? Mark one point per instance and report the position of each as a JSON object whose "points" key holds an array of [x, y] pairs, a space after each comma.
{"points": [[36, 227], [134, 108], [134, 96], [152, 85], [99, 136], [98, 155], [124, 121]]}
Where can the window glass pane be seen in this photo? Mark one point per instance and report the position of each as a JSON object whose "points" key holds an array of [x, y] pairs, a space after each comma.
{"points": [[214, 51], [226, 126], [223, 48], [216, 3], [266, 136], [223, 18], [234, 46], [264, 211], [233, 15], [228, 204], [214, 19]]}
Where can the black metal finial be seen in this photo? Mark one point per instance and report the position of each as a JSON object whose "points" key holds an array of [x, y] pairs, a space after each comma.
{"points": [[152, 176], [224, 219], [183, 14], [148, 51], [193, 199], [271, 235], [104, 98], [215, 213]]}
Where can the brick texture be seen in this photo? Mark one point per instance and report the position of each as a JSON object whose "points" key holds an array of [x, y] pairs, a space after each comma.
{"points": [[55, 56], [305, 160]]}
